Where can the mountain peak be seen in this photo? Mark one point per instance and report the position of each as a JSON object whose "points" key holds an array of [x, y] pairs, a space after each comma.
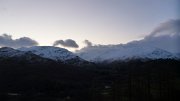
{"points": [[54, 53]]}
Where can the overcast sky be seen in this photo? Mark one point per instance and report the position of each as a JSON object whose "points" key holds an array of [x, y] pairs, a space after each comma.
{"points": [[100, 21]]}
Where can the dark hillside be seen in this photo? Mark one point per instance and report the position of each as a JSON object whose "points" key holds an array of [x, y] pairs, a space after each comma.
{"points": [[136, 80]]}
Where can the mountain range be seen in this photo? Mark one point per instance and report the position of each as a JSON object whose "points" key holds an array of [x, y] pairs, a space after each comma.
{"points": [[104, 53]]}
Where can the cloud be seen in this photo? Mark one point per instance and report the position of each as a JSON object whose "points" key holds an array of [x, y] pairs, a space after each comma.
{"points": [[7, 41], [165, 37], [66, 43], [171, 27], [88, 43]]}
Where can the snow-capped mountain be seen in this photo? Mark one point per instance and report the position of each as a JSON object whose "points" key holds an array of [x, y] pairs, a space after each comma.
{"points": [[123, 52], [54, 53]]}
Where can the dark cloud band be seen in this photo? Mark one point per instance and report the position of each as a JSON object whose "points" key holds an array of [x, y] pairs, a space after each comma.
{"points": [[66, 43], [7, 41]]}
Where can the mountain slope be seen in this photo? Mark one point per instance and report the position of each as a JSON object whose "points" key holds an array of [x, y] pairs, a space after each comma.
{"points": [[54, 53], [9, 54]]}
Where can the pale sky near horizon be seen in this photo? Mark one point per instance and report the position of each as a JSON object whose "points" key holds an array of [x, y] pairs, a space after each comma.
{"points": [[100, 21]]}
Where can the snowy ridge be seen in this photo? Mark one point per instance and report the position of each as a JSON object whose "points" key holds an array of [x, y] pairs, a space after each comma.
{"points": [[54, 53], [123, 52]]}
